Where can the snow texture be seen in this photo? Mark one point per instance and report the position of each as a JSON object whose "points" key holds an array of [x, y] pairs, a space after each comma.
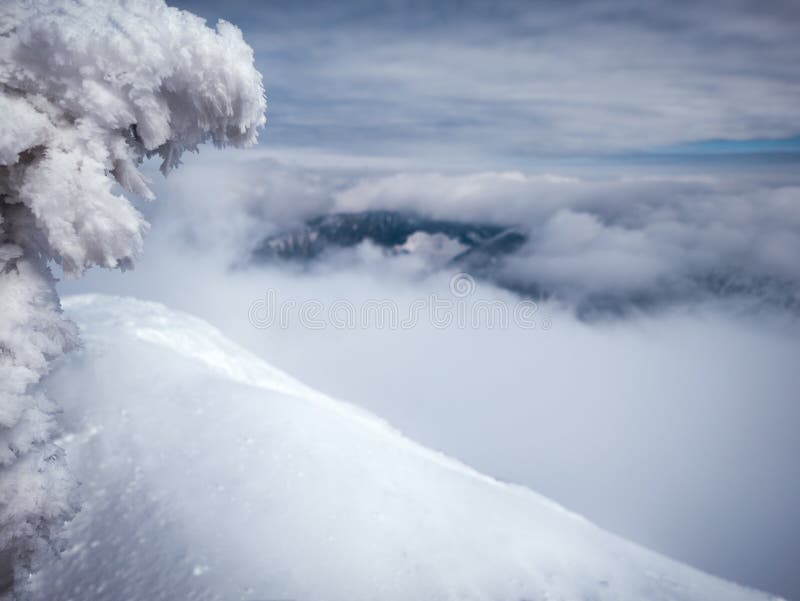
{"points": [[88, 89], [210, 475]]}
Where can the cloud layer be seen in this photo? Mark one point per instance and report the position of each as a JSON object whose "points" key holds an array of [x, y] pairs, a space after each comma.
{"points": [[469, 81], [600, 242]]}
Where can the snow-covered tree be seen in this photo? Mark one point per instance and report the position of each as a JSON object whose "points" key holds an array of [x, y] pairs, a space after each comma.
{"points": [[88, 89]]}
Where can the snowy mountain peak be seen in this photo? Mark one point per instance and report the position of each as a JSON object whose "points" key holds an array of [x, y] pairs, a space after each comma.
{"points": [[208, 474]]}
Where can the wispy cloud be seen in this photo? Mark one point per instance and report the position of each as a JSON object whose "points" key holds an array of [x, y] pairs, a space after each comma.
{"points": [[518, 80]]}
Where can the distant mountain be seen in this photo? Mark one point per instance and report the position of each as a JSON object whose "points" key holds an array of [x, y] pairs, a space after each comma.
{"points": [[482, 256], [394, 231], [481, 249]]}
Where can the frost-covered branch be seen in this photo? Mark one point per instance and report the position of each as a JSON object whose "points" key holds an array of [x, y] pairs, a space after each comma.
{"points": [[88, 89]]}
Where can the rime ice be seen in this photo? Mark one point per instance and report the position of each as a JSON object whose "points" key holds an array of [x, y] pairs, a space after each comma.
{"points": [[87, 91]]}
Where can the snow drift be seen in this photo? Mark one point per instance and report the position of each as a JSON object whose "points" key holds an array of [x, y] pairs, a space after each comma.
{"points": [[209, 475]]}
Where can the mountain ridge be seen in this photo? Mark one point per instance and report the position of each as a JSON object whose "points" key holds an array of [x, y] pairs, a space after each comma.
{"points": [[209, 474]]}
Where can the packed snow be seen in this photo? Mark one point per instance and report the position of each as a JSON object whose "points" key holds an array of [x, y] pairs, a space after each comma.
{"points": [[208, 474]]}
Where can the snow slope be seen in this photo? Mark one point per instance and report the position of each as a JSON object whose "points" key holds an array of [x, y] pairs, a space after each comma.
{"points": [[208, 474]]}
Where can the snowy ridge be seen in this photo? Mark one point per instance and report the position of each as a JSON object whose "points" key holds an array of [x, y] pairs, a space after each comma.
{"points": [[209, 474], [190, 337], [194, 338]]}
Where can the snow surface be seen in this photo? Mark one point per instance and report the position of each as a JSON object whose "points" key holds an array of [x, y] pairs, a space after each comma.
{"points": [[208, 474]]}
